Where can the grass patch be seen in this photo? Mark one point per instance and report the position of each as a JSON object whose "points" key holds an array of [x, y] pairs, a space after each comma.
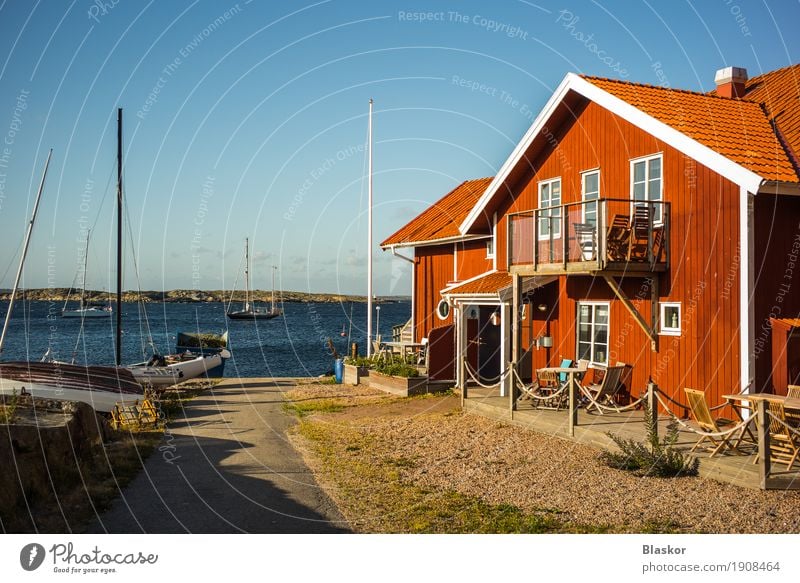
{"points": [[305, 408], [371, 490]]}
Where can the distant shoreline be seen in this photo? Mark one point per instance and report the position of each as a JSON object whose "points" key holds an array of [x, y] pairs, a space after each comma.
{"points": [[192, 296]]}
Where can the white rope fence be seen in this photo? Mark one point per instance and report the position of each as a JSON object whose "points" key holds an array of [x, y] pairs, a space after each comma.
{"points": [[688, 427], [473, 376], [527, 392], [595, 403]]}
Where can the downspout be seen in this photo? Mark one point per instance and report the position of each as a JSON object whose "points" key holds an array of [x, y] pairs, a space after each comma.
{"points": [[413, 289]]}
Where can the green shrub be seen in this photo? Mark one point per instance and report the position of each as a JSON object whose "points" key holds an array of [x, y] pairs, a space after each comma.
{"points": [[397, 369], [8, 411], [652, 457]]}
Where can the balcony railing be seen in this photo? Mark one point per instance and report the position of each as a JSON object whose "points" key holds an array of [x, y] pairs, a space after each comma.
{"points": [[589, 236]]}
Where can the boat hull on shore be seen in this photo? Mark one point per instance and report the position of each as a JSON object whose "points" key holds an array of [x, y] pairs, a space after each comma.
{"points": [[164, 375], [101, 387]]}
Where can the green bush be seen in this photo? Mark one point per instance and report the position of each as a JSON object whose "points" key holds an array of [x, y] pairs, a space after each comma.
{"points": [[397, 369], [653, 457]]}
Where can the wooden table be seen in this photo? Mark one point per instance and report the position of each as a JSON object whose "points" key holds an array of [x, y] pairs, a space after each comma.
{"points": [[404, 347], [737, 403], [573, 392]]}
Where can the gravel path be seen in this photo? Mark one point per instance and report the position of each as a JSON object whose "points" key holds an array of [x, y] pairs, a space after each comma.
{"points": [[503, 464]]}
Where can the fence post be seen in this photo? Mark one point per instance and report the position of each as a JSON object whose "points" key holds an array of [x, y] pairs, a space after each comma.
{"points": [[573, 403], [762, 424], [652, 402]]}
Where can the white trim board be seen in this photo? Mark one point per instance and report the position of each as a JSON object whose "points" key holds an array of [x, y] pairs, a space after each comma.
{"points": [[678, 140]]}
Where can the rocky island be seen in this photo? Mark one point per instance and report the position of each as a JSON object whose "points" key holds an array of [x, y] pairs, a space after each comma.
{"points": [[59, 294]]}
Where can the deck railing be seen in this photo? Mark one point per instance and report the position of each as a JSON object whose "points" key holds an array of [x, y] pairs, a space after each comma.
{"points": [[591, 235]]}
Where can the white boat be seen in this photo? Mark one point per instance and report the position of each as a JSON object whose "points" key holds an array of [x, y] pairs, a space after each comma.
{"points": [[163, 371], [99, 386], [250, 311], [85, 310], [88, 312]]}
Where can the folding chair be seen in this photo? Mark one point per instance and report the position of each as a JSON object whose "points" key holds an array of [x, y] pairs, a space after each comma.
{"points": [[784, 443], [706, 422], [605, 391]]}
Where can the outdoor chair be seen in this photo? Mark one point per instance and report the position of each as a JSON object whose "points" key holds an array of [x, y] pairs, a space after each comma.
{"points": [[547, 383], [784, 442], [617, 237], [706, 422], [793, 415], [606, 390], [586, 237], [640, 229]]}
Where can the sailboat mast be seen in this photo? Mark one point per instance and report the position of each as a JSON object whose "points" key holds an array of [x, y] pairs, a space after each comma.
{"points": [[24, 253], [369, 236], [85, 267], [274, 267], [246, 274], [118, 347]]}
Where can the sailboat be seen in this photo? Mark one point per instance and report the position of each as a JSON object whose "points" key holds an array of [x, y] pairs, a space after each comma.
{"points": [[86, 310], [99, 386], [250, 311], [160, 370]]}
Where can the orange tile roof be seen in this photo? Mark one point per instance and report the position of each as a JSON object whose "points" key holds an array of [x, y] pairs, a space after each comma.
{"points": [[735, 128], [488, 284], [778, 92], [442, 219]]}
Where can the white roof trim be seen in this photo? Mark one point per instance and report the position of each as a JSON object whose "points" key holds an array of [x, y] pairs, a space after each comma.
{"points": [[429, 242], [678, 140]]}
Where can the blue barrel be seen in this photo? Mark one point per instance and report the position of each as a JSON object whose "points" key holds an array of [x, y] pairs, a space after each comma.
{"points": [[338, 370]]}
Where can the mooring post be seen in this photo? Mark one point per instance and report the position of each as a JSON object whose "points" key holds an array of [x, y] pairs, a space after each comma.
{"points": [[652, 402], [354, 350]]}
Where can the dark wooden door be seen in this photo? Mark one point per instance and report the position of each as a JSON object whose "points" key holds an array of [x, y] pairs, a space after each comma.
{"points": [[489, 339]]}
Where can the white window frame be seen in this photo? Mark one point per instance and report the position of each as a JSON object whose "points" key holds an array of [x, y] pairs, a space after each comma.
{"points": [[490, 248], [659, 218], [557, 230], [663, 328], [584, 174], [592, 348]]}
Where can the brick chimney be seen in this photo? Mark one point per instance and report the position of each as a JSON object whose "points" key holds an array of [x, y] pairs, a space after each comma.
{"points": [[731, 81]]}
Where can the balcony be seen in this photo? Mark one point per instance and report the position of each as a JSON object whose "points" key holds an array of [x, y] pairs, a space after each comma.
{"points": [[606, 236]]}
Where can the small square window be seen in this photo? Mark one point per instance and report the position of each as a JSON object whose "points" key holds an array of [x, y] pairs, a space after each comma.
{"points": [[670, 319], [490, 248]]}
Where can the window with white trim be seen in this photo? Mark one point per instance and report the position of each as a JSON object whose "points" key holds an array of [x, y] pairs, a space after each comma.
{"points": [[670, 318], [590, 191], [647, 182], [593, 325], [490, 248], [550, 196]]}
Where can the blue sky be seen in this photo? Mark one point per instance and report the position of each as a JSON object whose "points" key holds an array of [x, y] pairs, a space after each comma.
{"points": [[250, 119]]}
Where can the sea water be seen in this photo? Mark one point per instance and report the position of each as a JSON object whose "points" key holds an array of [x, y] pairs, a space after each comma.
{"points": [[295, 344]]}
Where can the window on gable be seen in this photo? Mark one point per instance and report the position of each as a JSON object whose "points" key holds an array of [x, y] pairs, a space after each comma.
{"points": [[647, 183], [593, 332], [550, 217]]}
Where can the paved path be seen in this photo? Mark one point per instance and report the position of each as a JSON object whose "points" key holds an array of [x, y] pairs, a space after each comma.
{"points": [[226, 466]]}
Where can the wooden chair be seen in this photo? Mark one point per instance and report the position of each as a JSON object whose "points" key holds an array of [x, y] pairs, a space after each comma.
{"points": [[793, 415], [640, 229], [784, 444], [546, 384], [608, 387], [706, 422], [617, 237]]}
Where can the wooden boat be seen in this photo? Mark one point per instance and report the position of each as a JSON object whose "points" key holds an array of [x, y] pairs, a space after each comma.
{"points": [[101, 387], [250, 311]]}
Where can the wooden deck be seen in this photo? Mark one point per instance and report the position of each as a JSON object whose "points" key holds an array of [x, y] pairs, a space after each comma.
{"points": [[592, 430]]}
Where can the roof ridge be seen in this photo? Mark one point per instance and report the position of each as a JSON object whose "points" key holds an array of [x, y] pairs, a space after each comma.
{"points": [[661, 87]]}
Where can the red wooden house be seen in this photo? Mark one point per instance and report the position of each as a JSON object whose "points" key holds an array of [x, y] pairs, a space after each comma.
{"points": [[632, 223]]}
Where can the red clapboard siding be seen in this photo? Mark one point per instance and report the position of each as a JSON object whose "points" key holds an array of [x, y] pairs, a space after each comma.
{"points": [[433, 270], [704, 270]]}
